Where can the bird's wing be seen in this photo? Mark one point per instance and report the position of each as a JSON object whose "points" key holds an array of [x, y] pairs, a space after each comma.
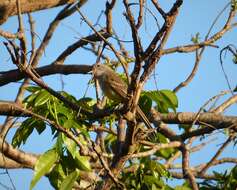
{"points": [[119, 86]]}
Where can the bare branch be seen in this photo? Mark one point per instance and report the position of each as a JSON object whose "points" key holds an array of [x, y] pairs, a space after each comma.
{"points": [[217, 154], [15, 75], [187, 173], [8, 8], [155, 148], [26, 159]]}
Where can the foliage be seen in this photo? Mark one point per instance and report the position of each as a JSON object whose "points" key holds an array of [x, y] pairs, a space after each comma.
{"points": [[226, 181], [103, 144], [60, 162], [148, 175]]}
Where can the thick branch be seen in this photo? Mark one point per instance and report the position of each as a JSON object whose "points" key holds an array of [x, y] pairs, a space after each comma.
{"points": [[8, 8], [211, 120], [218, 121], [187, 173], [8, 163], [26, 159], [16, 75]]}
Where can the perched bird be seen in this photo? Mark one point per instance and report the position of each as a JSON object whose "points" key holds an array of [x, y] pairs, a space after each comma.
{"points": [[115, 88]]}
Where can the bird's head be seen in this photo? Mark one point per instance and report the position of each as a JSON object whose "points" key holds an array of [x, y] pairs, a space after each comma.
{"points": [[99, 70]]}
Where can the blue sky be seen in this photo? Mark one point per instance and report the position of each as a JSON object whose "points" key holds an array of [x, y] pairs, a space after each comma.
{"points": [[195, 16]]}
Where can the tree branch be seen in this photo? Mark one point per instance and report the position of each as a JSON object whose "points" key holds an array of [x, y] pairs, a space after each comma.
{"points": [[27, 160], [16, 75], [8, 8]]}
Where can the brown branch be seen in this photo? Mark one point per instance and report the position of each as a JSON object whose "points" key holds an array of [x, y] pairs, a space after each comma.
{"points": [[9, 120], [8, 8], [10, 35], [82, 42], [27, 160], [162, 35], [140, 17], [220, 161], [225, 105], [188, 48], [134, 89], [12, 109], [15, 75], [208, 42], [97, 150], [187, 173], [178, 175], [64, 13], [108, 13], [69, 134], [96, 129], [178, 153], [193, 72], [155, 148], [116, 53], [32, 33], [159, 9], [121, 135], [136, 40], [217, 154], [8, 163], [217, 120], [161, 127]]}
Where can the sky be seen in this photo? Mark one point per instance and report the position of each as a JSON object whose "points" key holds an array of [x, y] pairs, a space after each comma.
{"points": [[195, 16]]}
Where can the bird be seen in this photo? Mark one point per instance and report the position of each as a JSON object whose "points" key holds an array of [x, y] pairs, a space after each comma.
{"points": [[115, 88]]}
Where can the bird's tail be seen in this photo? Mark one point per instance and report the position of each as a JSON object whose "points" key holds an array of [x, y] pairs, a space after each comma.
{"points": [[143, 117]]}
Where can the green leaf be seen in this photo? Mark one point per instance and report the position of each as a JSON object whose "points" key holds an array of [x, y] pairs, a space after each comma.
{"points": [[71, 123], [165, 153], [86, 103], [161, 138], [154, 95], [159, 168], [42, 98], [195, 39], [234, 59], [61, 109], [29, 99], [25, 130], [145, 103], [33, 88], [56, 176], [83, 162], [71, 145], [182, 188], [149, 180], [43, 165], [171, 97], [235, 90], [164, 99], [68, 124], [69, 96], [40, 126], [69, 181], [59, 144]]}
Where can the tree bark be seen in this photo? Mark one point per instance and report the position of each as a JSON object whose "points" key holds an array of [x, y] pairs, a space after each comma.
{"points": [[8, 7]]}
